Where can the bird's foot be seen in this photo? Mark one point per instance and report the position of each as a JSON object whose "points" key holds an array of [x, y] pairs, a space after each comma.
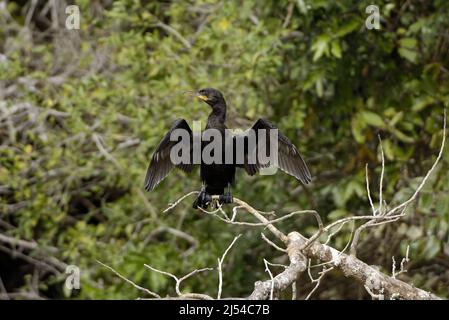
{"points": [[225, 198], [203, 200]]}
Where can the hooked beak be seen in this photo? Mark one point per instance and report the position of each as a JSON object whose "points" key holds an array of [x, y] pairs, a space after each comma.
{"points": [[202, 97], [197, 95]]}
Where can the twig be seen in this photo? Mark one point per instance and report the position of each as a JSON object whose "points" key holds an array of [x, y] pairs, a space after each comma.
{"points": [[390, 214], [294, 291], [318, 280], [426, 177], [402, 269], [381, 183], [372, 294], [174, 204], [151, 293], [368, 190], [271, 243], [178, 282], [220, 263], [258, 224], [318, 233], [271, 277]]}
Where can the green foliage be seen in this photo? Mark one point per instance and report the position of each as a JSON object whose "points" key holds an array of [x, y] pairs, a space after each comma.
{"points": [[331, 85]]}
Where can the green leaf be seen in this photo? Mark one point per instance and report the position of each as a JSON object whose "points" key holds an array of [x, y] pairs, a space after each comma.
{"points": [[397, 117], [357, 127], [319, 88], [408, 54], [421, 103], [320, 47], [388, 149], [372, 119], [347, 28], [401, 136], [336, 49], [408, 43]]}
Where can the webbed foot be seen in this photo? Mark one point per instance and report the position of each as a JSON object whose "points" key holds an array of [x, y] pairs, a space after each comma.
{"points": [[225, 198], [202, 201]]}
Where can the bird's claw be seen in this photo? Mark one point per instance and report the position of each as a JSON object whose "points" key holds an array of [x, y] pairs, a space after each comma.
{"points": [[203, 200], [225, 198]]}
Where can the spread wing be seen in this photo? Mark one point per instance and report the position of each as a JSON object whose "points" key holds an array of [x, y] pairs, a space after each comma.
{"points": [[289, 159], [161, 164]]}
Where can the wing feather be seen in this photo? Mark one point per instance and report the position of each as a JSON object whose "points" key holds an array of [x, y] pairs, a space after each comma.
{"points": [[289, 158], [161, 165]]}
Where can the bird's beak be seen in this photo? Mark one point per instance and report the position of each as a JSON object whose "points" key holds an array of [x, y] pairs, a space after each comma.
{"points": [[196, 94], [202, 97]]}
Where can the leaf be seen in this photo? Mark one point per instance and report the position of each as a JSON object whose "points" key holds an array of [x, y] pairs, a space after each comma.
{"points": [[336, 49], [422, 103], [373, 119], [408, 54], [401, 136], [347, 28], [408, 43], [357, 127], [319, 88], [397, 117], [388, 149], [320, 47], [417, 26]]}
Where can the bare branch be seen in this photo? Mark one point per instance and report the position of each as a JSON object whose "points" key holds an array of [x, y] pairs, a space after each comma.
{"points": [[368, 190], [178, 282], [318, 280], [294, 291], [151, 293], [391, 214], [271, 243], [220, 263], [426, 177], [373, 295], [271, 277], [381, 183], [174, 204]]}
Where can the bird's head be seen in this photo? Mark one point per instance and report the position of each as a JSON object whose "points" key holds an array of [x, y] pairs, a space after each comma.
{"points": [[211, 96]]}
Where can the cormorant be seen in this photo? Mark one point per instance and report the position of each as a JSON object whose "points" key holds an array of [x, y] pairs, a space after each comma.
{"points": [[216, 177]]}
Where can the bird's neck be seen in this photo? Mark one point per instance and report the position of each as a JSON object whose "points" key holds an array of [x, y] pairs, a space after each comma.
{"points": [[218, 114]]}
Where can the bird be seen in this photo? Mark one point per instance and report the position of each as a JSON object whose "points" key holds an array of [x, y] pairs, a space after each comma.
{"points": [[219, 177]]}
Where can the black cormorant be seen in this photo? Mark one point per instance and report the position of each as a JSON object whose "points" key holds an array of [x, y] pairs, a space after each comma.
{"points": [[216, 177]]}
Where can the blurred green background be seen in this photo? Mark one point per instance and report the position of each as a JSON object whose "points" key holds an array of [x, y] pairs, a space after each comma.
{"points": [[81, 111]]}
